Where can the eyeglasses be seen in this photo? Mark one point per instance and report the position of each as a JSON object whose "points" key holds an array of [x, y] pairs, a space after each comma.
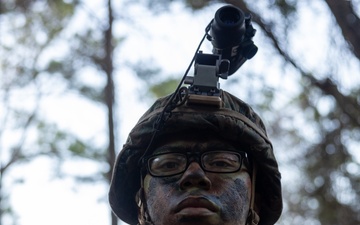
{"points": [[169, 164]]}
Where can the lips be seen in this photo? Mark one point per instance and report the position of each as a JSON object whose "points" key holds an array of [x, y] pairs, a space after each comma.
{"points": [[196, 202]]}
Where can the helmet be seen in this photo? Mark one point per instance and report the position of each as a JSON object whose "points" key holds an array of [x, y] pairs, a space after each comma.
{"points": [[234, 121]]}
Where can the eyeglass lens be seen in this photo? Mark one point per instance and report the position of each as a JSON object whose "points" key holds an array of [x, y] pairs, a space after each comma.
{"points": [[214, 161]]}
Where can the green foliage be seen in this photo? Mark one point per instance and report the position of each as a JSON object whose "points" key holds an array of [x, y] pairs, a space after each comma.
{"points": [[197, 4], [94, 94], [62, 8], [55, 66], [164, 88], [286, 7], [78, 148]]}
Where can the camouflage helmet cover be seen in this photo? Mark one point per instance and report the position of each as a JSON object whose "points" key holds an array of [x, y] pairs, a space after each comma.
{"points": [[235, 121]]}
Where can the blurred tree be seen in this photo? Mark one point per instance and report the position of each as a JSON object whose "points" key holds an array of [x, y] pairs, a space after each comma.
{"points": [[44, 55], [313, 118], [318, 127]]}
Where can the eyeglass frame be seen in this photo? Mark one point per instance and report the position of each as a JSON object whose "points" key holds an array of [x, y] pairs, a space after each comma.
{"points": [[197, 157]]}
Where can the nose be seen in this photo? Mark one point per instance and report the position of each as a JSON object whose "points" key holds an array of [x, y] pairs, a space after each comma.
{"points": [[194, 177]]}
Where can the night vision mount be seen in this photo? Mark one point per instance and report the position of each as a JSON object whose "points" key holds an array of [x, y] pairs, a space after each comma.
{"points": [[231, 34]]}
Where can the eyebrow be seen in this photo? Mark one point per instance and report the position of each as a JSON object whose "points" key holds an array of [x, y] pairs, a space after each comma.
{"points": [[198, 146], [171, 148]]}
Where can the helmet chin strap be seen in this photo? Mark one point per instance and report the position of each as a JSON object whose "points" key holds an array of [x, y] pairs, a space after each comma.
{"points": [[143, 215], [253, 218]]}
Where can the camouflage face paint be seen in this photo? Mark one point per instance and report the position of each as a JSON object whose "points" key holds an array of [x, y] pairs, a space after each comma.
{"points": [[224, 197], [231, 196], [237, 193]]}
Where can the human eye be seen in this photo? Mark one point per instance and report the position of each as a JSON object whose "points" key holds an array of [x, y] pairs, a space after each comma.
{"points": [[167, 164], [221, 162]]}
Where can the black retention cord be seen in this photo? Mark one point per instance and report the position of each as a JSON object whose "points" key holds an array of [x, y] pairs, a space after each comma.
{"points": [[174, 98]]}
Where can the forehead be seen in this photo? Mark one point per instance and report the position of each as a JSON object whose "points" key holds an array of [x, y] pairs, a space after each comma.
{"points": [[194, 142]]}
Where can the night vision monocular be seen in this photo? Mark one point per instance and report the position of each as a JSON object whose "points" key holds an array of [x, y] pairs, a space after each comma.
{"points": [[230, 33]]}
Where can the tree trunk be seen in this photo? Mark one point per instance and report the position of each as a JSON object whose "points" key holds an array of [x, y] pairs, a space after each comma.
{"points": [[110, 97], [349, 24]]}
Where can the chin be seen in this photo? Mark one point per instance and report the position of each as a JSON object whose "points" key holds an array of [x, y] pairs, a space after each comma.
{"points": [[198, 220]]}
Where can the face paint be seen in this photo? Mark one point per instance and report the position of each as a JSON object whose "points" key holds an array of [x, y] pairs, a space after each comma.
{"points": [[229, 193], [236, 194], [224, 200]]}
